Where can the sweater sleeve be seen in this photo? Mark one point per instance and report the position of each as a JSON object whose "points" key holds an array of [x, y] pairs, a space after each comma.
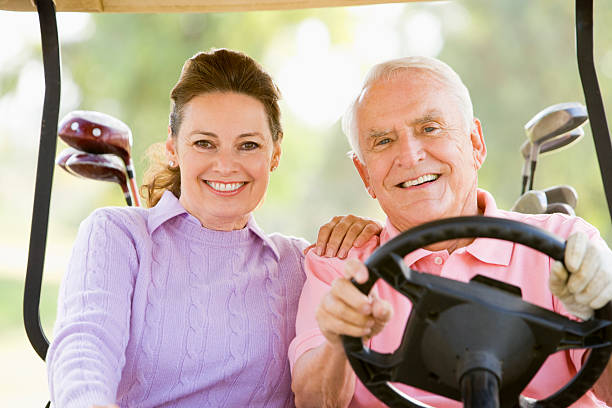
{"points": [[87, 354]]}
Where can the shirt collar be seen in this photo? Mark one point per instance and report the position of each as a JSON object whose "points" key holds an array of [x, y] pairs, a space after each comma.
{"points": [[252, 225], [489, 250], [390, 232], [166, 208], [483, 249], [169, 207]]}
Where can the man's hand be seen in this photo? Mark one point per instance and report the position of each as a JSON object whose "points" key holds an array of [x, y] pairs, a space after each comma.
{"points": [[586, 284], [342, 233], [344, 310]]}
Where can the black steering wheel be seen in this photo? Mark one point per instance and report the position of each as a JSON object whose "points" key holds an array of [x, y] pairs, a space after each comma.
{"points": [[485, 363]]}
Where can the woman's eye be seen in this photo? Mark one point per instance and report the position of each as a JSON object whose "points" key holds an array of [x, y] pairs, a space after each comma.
{"points": [[429, 129], [249, 146], [204, 144]]}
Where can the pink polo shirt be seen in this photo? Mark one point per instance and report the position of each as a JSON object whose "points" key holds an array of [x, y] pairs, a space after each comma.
{"points": [[501, 260]]}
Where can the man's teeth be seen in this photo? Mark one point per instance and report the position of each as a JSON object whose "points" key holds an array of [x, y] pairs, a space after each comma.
{"points": [[421, 180], [224, 186]]}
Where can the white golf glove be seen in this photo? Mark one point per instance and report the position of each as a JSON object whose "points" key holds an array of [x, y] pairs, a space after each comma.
{"points": [[586, 284]]}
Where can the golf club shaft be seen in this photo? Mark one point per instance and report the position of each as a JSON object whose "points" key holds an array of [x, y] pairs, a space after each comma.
{"points": [[131, 175], [525, 176], [533, 157], [533, 167]]}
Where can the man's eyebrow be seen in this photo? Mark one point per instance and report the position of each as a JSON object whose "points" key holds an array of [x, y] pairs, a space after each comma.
{"points": [[429, 116], [374, 133]]}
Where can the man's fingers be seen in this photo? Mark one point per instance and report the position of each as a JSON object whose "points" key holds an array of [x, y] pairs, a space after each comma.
{"points": [[381, 309], [583, 312], [345, 291], [557, 280], [354, 268], [602, 299], [335, 327], [596, 286], [324, 233], [579, 280], [575, 250], [341, 311]]}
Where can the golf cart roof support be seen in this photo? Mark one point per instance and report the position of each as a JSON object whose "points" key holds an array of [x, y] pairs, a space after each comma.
{"points": [[592, 94], [44, 177]]}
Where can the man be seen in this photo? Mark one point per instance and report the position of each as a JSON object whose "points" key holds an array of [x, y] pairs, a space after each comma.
{"points": [[418, 150]]}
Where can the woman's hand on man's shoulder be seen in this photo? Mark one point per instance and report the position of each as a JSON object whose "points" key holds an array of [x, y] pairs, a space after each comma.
{"points": [[341, 233]]}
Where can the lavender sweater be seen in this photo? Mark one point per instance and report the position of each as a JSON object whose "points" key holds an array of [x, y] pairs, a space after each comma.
{"points": [[157, 311]]}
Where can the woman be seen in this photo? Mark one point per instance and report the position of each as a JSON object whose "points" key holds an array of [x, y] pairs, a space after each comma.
{"points": [[188, 303]]}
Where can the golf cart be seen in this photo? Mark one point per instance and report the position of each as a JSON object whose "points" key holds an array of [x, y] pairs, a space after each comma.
{"points": [[376, 371]]}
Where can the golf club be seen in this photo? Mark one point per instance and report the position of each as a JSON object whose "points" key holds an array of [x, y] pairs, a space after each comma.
{"points": [[560, 208], [562, 194], [549, 123], [558, 143], [63, 157], [104, 167], [98, 133], [532, 202]]}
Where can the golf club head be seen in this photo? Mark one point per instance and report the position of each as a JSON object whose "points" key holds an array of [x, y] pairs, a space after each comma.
{"points": [[104, 167], [555, 120], [562, 194], [63, 157], [95, 132], [558, 143], [560, 208], [532, 202]]}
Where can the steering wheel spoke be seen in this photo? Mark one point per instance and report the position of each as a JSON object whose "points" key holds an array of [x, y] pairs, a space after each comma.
{"points": [[590, 334]]}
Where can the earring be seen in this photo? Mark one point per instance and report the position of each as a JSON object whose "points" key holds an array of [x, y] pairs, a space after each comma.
{"points": [[171, 163]]}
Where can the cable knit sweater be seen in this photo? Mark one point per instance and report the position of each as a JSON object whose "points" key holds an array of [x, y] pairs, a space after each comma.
{"points": [[157, 311]]}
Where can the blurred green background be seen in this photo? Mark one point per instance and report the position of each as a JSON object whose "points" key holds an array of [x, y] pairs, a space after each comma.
{"points": [[516, 57]]}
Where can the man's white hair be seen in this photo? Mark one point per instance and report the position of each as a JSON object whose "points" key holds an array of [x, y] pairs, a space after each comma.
{"points": [[386, 70]]}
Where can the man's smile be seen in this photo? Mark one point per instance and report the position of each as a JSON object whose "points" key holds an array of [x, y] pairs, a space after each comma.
{"points": [[426, 178]]}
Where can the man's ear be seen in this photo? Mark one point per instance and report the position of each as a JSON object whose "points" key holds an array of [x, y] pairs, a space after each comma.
{"points": [[479, 147], [363, 173]]}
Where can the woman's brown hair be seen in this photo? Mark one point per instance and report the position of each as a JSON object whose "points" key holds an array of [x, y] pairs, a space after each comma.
{"points": [[218, 70]]}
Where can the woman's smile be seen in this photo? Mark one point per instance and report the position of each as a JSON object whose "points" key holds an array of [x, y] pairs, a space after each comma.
{"points": [[225, 188]]}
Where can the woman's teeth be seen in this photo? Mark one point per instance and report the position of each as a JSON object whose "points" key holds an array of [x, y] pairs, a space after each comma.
{"points": [[420, 180], [225, 187]]}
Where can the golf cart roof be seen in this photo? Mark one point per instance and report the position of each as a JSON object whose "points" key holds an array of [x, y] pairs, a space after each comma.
{"points": [[183, 6]]}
